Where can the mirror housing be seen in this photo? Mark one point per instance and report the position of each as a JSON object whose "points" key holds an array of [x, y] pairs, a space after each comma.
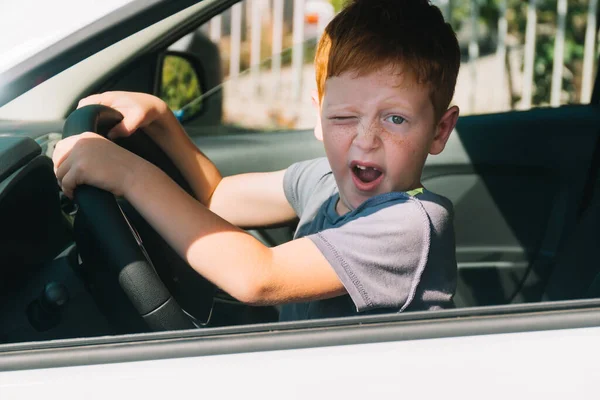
{"points": [[180, 85], [204, 57]]}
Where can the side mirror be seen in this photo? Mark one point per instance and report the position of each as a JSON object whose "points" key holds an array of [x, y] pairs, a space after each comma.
{"points": [[180, 85]]}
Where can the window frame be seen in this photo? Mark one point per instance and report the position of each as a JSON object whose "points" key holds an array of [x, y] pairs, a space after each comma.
{"points": [[518, 318]]}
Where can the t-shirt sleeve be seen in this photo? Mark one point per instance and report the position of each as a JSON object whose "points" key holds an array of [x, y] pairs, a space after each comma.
{"points": [[380, 256], [301, 179]]}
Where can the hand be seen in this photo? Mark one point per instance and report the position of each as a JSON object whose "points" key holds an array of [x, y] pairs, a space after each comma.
{"points": [[140, 110], [90, 159]]}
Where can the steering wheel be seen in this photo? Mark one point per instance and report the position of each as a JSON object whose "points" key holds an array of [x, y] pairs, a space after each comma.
{"points": [[123, 256]]}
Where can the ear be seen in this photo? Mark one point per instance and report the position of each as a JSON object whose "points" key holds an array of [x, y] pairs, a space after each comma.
{"points": [[443, 130], [317, 105]]}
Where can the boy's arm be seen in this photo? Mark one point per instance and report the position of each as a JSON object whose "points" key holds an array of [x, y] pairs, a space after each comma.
{"points": [[245, 200], [226, 255], [248, 200], [223, 253]]}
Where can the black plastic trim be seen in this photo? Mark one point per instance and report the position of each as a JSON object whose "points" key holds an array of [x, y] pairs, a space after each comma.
{"points": [[15, 152], [85, 42], [189, 25]]}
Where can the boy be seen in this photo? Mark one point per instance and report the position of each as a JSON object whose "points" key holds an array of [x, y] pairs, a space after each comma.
{"points": [[370, 237]]}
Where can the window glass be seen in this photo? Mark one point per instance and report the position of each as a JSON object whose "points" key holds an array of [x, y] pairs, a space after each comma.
{"points": [[265, 80], [521, 54], [515, 55]]}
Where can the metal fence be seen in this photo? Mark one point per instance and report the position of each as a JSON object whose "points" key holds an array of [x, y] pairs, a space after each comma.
{"points": [[255, 10], [529, 46]]}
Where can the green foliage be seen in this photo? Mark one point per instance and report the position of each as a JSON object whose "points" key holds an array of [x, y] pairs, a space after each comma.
{"points": [[180, 86], [545, 37], [338, 4], [547, 19]]}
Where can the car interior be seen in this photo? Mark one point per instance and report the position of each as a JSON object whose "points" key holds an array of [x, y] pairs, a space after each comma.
{"points": [[524, 184]]}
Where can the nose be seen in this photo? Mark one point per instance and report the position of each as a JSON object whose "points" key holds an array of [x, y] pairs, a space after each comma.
{"points": [[367, 137]]}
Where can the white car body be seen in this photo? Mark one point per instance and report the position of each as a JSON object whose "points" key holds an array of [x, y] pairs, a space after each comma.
{"points": [[538, 351], [28, 26], [440, 368]]}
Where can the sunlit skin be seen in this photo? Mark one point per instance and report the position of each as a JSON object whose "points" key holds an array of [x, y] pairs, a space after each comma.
{"points": [[384, 120]]}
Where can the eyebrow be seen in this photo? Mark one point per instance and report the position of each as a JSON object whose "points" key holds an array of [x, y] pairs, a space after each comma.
{"points": [[340, 107]]}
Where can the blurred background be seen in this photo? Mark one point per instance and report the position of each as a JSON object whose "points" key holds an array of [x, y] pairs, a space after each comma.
{"points": [[516, 54]]}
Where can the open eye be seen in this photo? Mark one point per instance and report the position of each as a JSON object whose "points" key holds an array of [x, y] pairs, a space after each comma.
{"points": [[395, 119]]}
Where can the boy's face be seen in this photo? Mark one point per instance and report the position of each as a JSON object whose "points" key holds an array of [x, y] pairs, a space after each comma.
{"points": [[378, 130]]}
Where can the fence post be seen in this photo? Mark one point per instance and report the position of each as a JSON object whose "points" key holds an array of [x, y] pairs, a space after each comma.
{"points": [[277, 44], [236, 40], [589, 56], [473, 52], [529, 55], [298, 53], [215, 29], [501, 49], [255, 31], [559, 54]]}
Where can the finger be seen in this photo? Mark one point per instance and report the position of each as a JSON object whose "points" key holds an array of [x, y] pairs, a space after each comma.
{"points": [[105, 98], [62, 150], [93, 99], [118, 130], [64, 147], [131, 122], [69, 183], [63, 169]]}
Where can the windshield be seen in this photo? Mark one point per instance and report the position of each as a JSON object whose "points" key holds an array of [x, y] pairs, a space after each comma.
{"points": [[27, 26]]}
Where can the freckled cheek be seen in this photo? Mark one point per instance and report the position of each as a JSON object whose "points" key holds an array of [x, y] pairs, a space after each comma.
{"points": [[397, 146], [395, 139], [401, 150], [339, 135], [337, 142], [414, 155], [414, 151]]}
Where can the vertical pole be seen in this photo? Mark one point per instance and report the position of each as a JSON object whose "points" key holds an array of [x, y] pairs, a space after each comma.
{"points": [[255, 28], [501, 50], [589, 56], [236, 40], [473, 52], [277, 44], [529, 55], [559, 54], [215, 29], [298, 53]]}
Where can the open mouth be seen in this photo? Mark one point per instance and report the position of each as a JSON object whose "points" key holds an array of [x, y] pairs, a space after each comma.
{"points": [[366, 174], [366, 177]]}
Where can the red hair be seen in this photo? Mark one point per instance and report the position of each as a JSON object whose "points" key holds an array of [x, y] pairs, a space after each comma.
{"points": [[368, 35]]}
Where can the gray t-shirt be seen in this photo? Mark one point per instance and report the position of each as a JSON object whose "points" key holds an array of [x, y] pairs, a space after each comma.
{"points": [[395, 252]]}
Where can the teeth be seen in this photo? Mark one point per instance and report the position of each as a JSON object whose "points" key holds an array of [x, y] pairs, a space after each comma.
{"points": [[362, 167]]}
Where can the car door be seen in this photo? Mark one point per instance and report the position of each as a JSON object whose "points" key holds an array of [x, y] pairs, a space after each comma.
{"points": [[539, 350], [495, 354]]}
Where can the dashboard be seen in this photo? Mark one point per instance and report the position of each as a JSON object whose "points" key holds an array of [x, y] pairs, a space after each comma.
{"points": [[38, 260]]}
